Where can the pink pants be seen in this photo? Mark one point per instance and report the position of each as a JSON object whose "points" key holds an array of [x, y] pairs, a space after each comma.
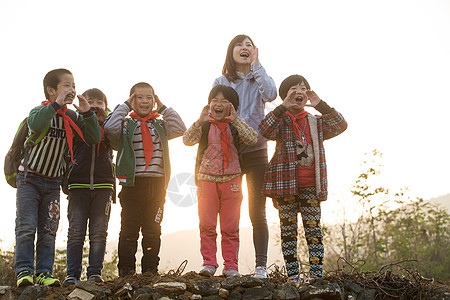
{"points": [[223, 199]]}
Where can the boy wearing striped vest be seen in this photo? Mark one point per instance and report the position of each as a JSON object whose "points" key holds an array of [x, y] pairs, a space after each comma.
{"points": [[90, 193], [38, 182], [143, 169]]}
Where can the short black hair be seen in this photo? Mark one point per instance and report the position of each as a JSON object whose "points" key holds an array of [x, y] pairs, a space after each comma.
{"points": [[228, 93], [52, 79], [289, 82], [97, 94], [141, 85]]}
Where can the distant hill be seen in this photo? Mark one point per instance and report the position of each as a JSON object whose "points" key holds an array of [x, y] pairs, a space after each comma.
{"points": [[444, 201], [185, 245]]}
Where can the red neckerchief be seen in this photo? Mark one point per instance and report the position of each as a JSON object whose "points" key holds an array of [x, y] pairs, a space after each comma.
{"points": [[147, 140], [294, 119], [224, 140], [68, 123]]}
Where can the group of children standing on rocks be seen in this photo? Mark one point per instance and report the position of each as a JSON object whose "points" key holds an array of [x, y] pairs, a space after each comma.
{"points": [[231, 133]]}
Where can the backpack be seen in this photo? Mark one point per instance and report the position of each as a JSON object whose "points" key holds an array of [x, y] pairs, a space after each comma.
{"points": [[21, 146], [19, 149]]}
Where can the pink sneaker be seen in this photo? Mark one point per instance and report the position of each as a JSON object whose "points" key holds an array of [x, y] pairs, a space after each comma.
{"points": [[231, 273], [208, 270]]}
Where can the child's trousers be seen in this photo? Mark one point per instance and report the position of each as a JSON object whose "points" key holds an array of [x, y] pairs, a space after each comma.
{"points": [[84, 205], [142, 210], [309, 207], [223, 200]]}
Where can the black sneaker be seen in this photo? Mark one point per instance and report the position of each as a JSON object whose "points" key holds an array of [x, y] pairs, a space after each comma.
{"points": [[95, 278]]}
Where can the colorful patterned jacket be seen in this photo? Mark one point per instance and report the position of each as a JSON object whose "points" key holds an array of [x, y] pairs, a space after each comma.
{"points": [[280, 179]]}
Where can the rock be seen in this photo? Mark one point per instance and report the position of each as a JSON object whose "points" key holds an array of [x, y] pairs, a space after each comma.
{"points": [[6, 292], [33, 292], [196, 297], [3, 289], [93, 288], [143, 297], [126, 289], [213, 297], [171, 288], [286, 292], [354, 287], [244, 281], [257, 293], [223, 293], [81, 294], [205, 288], [324, 291], [142, 291], [235, 295], [368, 294]]}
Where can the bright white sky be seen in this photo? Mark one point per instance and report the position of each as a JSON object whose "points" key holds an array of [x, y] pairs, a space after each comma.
{"points": [[385, 65]]}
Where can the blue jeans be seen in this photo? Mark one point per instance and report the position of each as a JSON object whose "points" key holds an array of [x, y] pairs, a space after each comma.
{"points": [[84, 205], [37, 209]]}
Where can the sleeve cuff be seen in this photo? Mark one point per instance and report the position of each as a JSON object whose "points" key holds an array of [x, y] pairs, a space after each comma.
{"points": [[256, 66], [87, 114], [55, 105], [161, 111], [279, 111], [323, 108]]}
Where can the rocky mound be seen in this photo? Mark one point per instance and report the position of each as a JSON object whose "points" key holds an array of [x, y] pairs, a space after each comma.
{"points": [[382, 285]]}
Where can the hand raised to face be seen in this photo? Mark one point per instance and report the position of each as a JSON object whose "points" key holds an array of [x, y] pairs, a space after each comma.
{"points": [[295, 100], [313, 98], [204, 116], [131, 100], [83, 105], [65, 97], [158, 103], [233, 115], [254, 54]]}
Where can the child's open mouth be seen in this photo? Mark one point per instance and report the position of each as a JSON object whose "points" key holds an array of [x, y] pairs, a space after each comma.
{"points": [[299, 99]]}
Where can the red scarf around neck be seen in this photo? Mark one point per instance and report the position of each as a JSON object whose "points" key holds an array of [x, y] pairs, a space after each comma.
{"points": [[68, 123], [299, 116], [147, 140], [224, 140]]}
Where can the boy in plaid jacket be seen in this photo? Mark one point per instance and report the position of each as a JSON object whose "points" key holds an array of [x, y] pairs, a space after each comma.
{"points": [[296, 177]]}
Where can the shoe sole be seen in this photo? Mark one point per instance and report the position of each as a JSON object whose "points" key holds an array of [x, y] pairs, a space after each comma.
{"points": [[205, 273], [24, 283], [53, 284]]}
